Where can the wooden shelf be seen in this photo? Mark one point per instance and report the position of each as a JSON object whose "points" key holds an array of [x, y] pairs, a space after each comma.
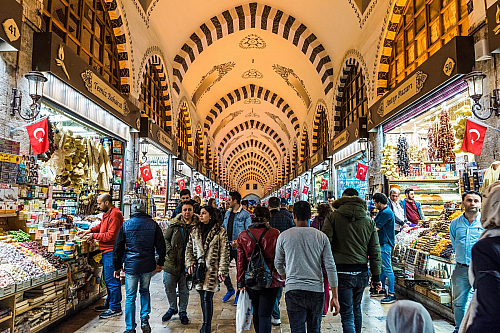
{"points": [[36, 305], [8, 215], [6, 318]]}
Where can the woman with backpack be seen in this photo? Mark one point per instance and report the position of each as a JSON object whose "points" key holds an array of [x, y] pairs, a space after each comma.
{"points": [[208, 250], [255, 268]]}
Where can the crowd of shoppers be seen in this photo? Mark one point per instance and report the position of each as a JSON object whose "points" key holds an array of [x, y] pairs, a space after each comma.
{"points": [[322, 265]]}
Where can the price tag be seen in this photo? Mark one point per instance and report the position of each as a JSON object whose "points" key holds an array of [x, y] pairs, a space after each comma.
{"points": [[45, 241], [11, 29]]}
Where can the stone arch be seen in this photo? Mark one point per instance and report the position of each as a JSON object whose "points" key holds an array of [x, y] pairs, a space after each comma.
{"points": [[248, 178], [122, 43], [304, 144], [254, 16], [252, 124], [320, 108], [251, 91], [252, 144], [259, 159], [184, 115], [252, 165], [198, 144]]}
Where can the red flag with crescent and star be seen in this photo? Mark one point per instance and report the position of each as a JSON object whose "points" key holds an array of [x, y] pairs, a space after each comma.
{"points": [[209, 193], [216, 195], [146, 172], [474, 138], [198, 189], [182, 184], [324, 183], [305, 190], [295, 192], [39, 136], [362, 170]]}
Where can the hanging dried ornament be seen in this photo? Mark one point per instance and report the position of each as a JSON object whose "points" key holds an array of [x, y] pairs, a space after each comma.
{"points": [[431, 142], [403, 161], [446, 139], [388, 167]]}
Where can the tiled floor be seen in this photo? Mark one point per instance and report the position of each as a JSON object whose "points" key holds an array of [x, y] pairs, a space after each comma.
{"points": [[374, 316]]}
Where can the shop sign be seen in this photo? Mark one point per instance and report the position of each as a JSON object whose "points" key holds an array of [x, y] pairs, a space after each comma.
{"points": [[51, 54], [341, 140], [442, 68], [189, 159], [4, 157], [11, 19], [493, 16], [401, 94], [300, 169], [165, 140], [203, 170]]}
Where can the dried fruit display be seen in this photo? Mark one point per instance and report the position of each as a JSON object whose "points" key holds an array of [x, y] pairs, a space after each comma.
{"points": [[415, 153], [388, 167], [432, 142], [446, 139], [460, 127], [403, 158]]}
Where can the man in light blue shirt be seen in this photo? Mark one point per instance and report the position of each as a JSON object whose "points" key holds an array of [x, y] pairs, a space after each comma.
{"points": [[464, 233]]}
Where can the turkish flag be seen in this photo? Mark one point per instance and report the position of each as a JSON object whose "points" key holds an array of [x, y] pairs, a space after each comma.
{"points": [[216, 195], [474, 138], [362, 170], [198, 189], [182, 184], [209, 193], [225, 198], [305, 190], [324, 183], [39, 136], [146, 172], [287, 195], [295, 192]]}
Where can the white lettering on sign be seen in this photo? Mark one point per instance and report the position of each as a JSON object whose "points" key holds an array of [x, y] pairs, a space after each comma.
{"points": [[401, 94], [164, 139], [341, 140], [104, 92]]}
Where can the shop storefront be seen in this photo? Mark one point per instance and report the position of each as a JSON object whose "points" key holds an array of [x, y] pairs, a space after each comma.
{"points": [[156, 150], [349, 153], [320, 170], [184, 168], [420, 121]]}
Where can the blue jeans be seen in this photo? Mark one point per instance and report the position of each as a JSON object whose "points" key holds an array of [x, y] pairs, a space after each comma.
{"points": [[351, 288], [131, 281], [461, 290], [387, 272], [276, 309], [113, 285], [304, 307]]}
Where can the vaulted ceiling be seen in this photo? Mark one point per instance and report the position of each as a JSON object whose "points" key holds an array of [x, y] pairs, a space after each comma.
{"points": [[255, 72]]}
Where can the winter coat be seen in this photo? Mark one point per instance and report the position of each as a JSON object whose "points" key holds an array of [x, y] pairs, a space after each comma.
{"points": [[419, 209], [242, 220], [281, 220], [216, 251], [246, 246], [176, 243], [178, 209], [136, 243], [353, 236]]}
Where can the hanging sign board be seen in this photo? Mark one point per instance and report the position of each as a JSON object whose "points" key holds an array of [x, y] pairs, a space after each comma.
{"points": [[104, 92], [493, 16], [10, 30], [153, 132]]}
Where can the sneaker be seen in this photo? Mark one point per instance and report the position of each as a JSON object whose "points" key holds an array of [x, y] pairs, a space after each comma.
{"points": [[275, 322], [236, 299], [129, 331], [145, 326], [388, 300], [381, 293], [228, 296], [168, 315], [184, 318], [110, 314], [101, 308]]}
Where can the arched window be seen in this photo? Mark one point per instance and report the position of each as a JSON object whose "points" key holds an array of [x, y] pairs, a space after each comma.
{"points": [[208, 156], [184, 128], [354, 98], [151, 98], [85, 27], [198, 145], [295, 155], [424, 28], [304, 154], [322, 132]]}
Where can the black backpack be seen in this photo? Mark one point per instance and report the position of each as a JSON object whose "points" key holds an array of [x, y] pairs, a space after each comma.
{"points": [[258, 275]]}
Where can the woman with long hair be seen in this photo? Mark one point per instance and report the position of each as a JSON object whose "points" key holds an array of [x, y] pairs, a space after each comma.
{"points": [[323, 210], [213, 203], [262, 299], [207, 246]]}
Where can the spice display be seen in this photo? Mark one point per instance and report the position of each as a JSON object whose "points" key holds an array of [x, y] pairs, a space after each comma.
{"points": [[403, 161], [388, 167], [432, 142], [20, 236], [446, 139]]}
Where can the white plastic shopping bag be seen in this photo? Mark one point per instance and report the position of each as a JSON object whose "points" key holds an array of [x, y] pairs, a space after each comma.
{"points": [[243, 312]]}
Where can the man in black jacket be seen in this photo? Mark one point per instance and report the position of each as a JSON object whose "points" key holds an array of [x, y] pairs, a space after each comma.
{"points": [[134, 248]]}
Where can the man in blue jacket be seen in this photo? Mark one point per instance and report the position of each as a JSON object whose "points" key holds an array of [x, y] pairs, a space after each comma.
{"points": [[413, 209], [385, 228], [134, 248], [236, 220]]}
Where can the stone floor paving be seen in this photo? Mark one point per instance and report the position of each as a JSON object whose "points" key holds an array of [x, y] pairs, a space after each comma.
{"points": [[374, 316]]}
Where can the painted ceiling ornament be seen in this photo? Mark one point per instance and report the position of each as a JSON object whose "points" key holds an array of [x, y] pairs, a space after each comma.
{"points": [[252, 74], [252, 100], [252, 114], [294, 82], [212, 77], [226, 121], [252, 41], [278, 121]]}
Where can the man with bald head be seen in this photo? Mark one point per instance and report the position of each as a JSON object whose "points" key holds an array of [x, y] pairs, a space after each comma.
{"points": [[106, 233]]}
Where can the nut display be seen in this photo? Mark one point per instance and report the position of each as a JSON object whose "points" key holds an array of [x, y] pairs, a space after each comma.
{"points": [[388, 167]]}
